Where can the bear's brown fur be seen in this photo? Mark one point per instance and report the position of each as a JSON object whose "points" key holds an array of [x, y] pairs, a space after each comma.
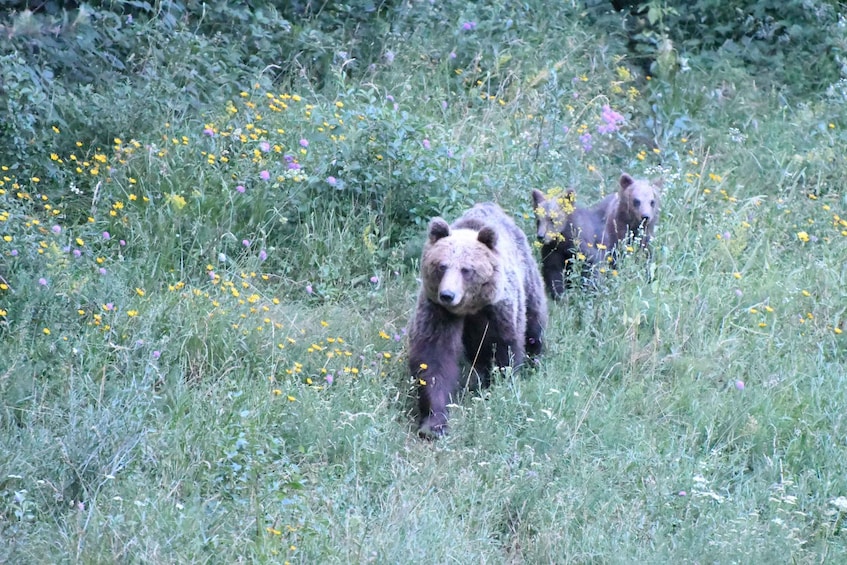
{"points": [[481, 295], [592, 234]]}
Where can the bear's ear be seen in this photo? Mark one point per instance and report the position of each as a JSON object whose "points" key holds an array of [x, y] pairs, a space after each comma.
{"points": [[438, 228], [658, 184], [488, 237], [626, 181], [537, 197]]}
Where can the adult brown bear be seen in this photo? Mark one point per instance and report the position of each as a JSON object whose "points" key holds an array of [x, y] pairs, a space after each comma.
{"points": [[481, 297]]}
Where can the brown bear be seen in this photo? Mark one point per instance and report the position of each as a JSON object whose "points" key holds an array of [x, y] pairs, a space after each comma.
{"points": [[593, 234], [481, 295], [567, 233]]}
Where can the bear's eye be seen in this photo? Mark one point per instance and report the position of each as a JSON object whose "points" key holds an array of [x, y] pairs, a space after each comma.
{"points": [[652, 204], [636, 202], [466, 271], [442, 267]]}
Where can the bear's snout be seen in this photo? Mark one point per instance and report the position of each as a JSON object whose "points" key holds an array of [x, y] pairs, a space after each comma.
{"points": [[447, 297]]}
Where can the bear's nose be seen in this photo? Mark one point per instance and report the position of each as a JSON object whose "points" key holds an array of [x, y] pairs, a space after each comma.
{"points": [[645, 218], [446, 296]]}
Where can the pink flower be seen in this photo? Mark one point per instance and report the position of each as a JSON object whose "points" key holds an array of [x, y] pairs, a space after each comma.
{"points": [[77, 253], [304, 143], [209, 131], [102, 271], [42, 281], [57, 229], [739, 385], [157, 354], [426, 144], [309, 289], [374, 279], [611, 120], [264, 175], [106, 235], [265, 146], [122, 243], [332, 181], [245, 242], [469, 26], [263, 255], [240, 188]]}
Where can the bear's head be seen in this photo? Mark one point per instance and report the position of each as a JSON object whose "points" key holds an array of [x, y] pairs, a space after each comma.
{"points": [[639, 201], [460, 268], [551, 213]]}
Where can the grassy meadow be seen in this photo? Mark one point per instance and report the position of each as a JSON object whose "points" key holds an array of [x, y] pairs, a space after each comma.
{"points": [[202, 313]]}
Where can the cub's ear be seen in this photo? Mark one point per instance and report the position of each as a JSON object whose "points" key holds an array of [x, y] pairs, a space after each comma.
{"points": [[488, 237], [438, 228], [626, 181], [537, 197], [658, 184]]}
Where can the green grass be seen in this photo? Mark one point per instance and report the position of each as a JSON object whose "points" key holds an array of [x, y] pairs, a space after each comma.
{"points": [[203, 400]]}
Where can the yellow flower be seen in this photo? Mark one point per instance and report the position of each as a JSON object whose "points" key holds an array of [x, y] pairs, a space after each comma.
{"points": [[46, 331], [424, 366], [837, 330], [132, 313], [737, 275], [802, 236], [805, 292]]}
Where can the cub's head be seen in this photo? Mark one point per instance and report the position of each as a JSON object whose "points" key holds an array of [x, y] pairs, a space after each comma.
{"points": [[460, 268], [551, 212], [639, 200]]}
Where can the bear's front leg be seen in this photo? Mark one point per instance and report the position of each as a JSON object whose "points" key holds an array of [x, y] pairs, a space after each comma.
{"points": [[435, 347]]}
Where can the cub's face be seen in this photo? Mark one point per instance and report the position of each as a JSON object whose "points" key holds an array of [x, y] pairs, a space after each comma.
{"points": [[640, 198], [460, 268], [551, 213]]}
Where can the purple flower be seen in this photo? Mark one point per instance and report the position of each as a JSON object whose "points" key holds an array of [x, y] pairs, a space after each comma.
{"points": [[42, 281], [332, 181], [426, 144], [309, 289], [585, 140], [110, 306], [245, 242], [293, 166], [212, 275], [739, 385], [389, 98], [329, 379], [13, 253], [209, 131], [122, 243], [57, 229], [264, 175], [611, 120], [374, 279], [304, 143], [264, 146], [288, 158], [263, 255], [240, 188], [443, 104], [566, 129], [157, 354], [102, 271], [106, 235], [468, 26], [77, 253], [452, 55]]}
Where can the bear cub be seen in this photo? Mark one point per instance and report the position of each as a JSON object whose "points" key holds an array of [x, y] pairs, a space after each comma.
{"points": [[481, 298], [593, 234]]}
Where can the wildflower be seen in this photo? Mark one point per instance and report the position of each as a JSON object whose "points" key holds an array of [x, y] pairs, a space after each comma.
{"points": [[240, 188], [245, 242], [264, 175], [309, 289], [57, 229], [304, 143], [585, 140], [46, 331], [739, 385], [837, 330], [805, 292], [263, 255], [42, 281], [611, 120], [106, 235], [265, 146], [802, 236], [426, 144], [101, 270], [374, 279], [737, 275], [331, 181], [132, 313], [469, 26]]}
